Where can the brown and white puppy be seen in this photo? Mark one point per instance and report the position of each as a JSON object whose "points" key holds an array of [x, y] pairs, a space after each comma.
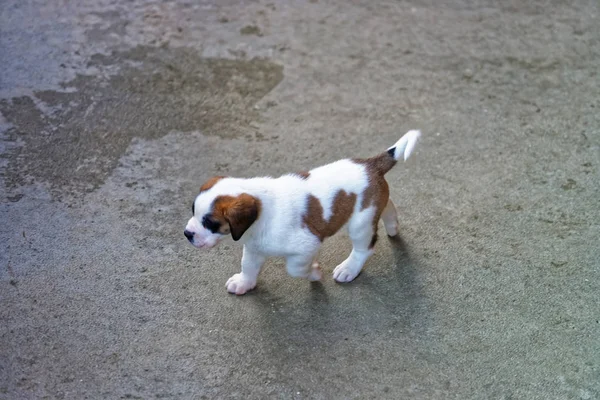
{"points": [[290, 216]]}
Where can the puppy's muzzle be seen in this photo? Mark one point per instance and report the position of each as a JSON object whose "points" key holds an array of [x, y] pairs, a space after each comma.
{"points": [[189, 235]]}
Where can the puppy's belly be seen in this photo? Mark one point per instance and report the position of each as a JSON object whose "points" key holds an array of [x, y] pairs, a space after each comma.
{"points": [[280, 245]]}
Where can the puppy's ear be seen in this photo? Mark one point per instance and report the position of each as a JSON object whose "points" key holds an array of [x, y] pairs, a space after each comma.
{"points": [[242, 213]]}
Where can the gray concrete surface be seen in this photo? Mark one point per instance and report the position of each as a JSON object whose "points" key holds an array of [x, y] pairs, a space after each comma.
{"points": [[113, 113]]}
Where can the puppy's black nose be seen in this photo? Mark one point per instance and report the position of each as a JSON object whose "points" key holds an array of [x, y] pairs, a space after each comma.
{"points": [[188, 235]]}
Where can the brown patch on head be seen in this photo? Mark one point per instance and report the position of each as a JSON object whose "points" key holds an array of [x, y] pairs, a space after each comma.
{"points": [[342, 207], [210, 183], [377, 192], [303, 174], [236, 214]]}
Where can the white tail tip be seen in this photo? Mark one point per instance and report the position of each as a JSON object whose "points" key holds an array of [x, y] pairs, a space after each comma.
{"points": [[405, 145]]}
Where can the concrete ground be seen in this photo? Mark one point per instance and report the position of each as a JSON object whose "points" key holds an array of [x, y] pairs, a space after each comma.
{"points": [[113, 113]]}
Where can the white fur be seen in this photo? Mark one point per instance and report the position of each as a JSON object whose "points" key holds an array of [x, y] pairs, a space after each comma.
{"points": [[406, 144], [279, 229]]}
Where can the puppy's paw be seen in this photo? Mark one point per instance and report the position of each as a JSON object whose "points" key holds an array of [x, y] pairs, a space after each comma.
{"points": [[239, 284], [315, 273], [391, 228], [345, 273]]}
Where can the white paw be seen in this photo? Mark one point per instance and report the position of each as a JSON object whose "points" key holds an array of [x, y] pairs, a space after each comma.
{"points": [[344, 273], [239, 284], [391, 228], [315, 273]]}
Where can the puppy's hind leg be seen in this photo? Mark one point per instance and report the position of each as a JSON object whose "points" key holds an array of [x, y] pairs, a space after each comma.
{"points": [[363, 235], [390, 218]]}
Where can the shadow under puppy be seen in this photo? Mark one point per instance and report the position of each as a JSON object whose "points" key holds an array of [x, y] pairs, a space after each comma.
{"points": [[290, 216]]}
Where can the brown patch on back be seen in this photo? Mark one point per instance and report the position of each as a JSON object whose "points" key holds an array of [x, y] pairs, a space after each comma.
{"points": [[210, 183], [342, 208], [303, 174], [381, 163], [236, 213], [377, 192]]}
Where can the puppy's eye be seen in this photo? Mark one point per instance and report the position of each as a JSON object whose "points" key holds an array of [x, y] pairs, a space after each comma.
{"points": [[193, 208], [211, 224]]}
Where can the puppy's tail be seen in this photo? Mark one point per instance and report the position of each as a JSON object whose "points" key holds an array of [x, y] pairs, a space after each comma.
{"points": [[402, 148], [405, 145]]}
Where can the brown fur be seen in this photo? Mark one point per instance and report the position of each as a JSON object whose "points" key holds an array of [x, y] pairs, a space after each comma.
{"points": [[210, 183], [373, 241], [377, 192], [342, 208], [236, 214], [303, 174]]}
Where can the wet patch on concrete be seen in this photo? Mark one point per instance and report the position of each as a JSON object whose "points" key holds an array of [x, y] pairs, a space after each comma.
{"points": [[251, 30], [73, 139]]}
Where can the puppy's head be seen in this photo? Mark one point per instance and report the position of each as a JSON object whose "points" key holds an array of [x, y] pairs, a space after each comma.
{"points": [[220, 209]]}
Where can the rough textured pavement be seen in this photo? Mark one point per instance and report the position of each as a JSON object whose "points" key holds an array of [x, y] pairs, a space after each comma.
{"points": [[113, 113]]}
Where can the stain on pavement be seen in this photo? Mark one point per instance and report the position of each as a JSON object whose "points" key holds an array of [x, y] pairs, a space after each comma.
{"points": [[73, 139]]}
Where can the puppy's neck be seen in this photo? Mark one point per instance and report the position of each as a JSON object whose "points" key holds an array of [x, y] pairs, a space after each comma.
{"points": [[258, 187]]}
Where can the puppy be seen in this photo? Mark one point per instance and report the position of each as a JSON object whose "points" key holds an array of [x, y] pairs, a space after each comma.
{"points": [[290, 216]]}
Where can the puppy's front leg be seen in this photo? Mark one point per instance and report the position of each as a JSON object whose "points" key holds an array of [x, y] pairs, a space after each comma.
{"points": [[302, 266], [246, 280]]}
